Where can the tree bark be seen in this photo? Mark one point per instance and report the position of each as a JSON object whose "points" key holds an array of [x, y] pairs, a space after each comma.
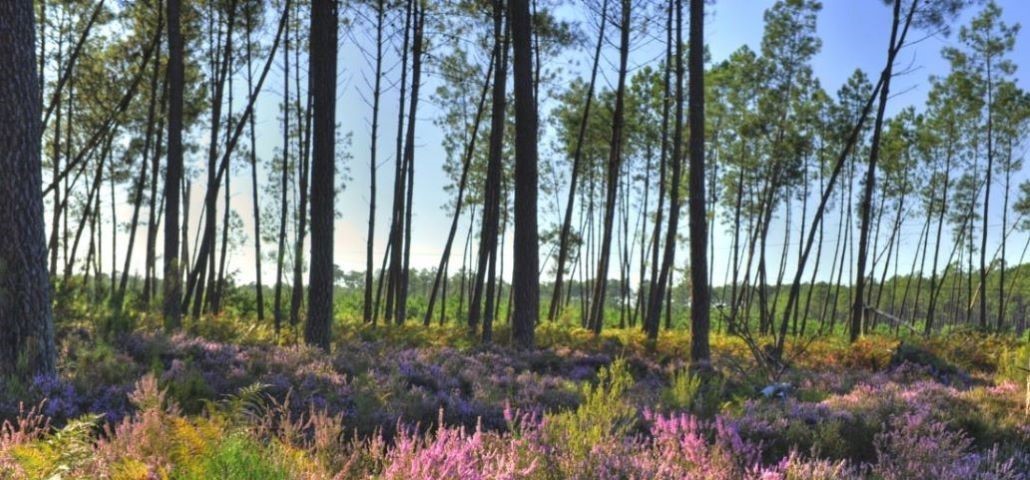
{"points": [[324, 31], [526, 272], [26, 318], [492, 188], [614, 170], [700, 354], [173, 174]]}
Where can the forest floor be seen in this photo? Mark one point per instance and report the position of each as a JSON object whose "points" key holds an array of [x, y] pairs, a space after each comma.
{"points": [[426, 403]]}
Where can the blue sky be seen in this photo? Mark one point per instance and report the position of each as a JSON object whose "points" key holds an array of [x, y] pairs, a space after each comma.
{"points": [[854, 34]]}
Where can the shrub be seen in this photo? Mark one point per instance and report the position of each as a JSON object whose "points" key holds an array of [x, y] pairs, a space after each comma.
{"points": [[603, 417]]}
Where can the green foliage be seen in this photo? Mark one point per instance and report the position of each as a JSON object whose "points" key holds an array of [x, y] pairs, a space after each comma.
{"points": [[604, 414], [64, 450], [907, 352], [236, 457], [189, 389], [692, 392]]}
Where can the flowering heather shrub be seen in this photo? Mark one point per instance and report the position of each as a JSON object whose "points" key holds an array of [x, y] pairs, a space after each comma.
{"points": [[455, 453], [406, 404], [916, 446]]}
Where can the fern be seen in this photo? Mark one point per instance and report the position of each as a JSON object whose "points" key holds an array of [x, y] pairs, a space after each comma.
{"points": [[243, 407], [63, 451]]}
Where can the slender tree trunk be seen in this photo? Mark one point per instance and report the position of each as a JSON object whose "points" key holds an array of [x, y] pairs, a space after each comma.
{"points": [[419, 19], [55, 228], [492, 188], [896, 42], [277, 306], [577, 156], [304, 166], [441, 270], [141, 180], [155, 208], [987, 197], [651, 321], [934, 287], [400, 172], [380, 9], [259, 288], [1004, 237], [654, 308], [614, 170]]}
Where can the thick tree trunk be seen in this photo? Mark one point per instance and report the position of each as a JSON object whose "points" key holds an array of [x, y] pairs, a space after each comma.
{"points": [[173, 173], [526, 272], [324, 28], [26, 319], [700, 355]]}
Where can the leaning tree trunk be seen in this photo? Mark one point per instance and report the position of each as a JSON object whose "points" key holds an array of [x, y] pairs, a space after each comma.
{"points": [[492, 188], [26, 319], [563, 238], [614, 169], [654, 308], [441, 270], [896, 42]]}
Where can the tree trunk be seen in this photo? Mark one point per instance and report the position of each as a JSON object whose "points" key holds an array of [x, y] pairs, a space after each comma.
{"points": [[700, 354], [441, 270], [380, 9], [526, 273], [419, 19], [173, 173], [277, 306], [614, 170], [492, 188], [399, 182], [987, 197], [26, 324], [897, 41], [324, 29], [259, 289], [658, 293], [577, 156]]}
